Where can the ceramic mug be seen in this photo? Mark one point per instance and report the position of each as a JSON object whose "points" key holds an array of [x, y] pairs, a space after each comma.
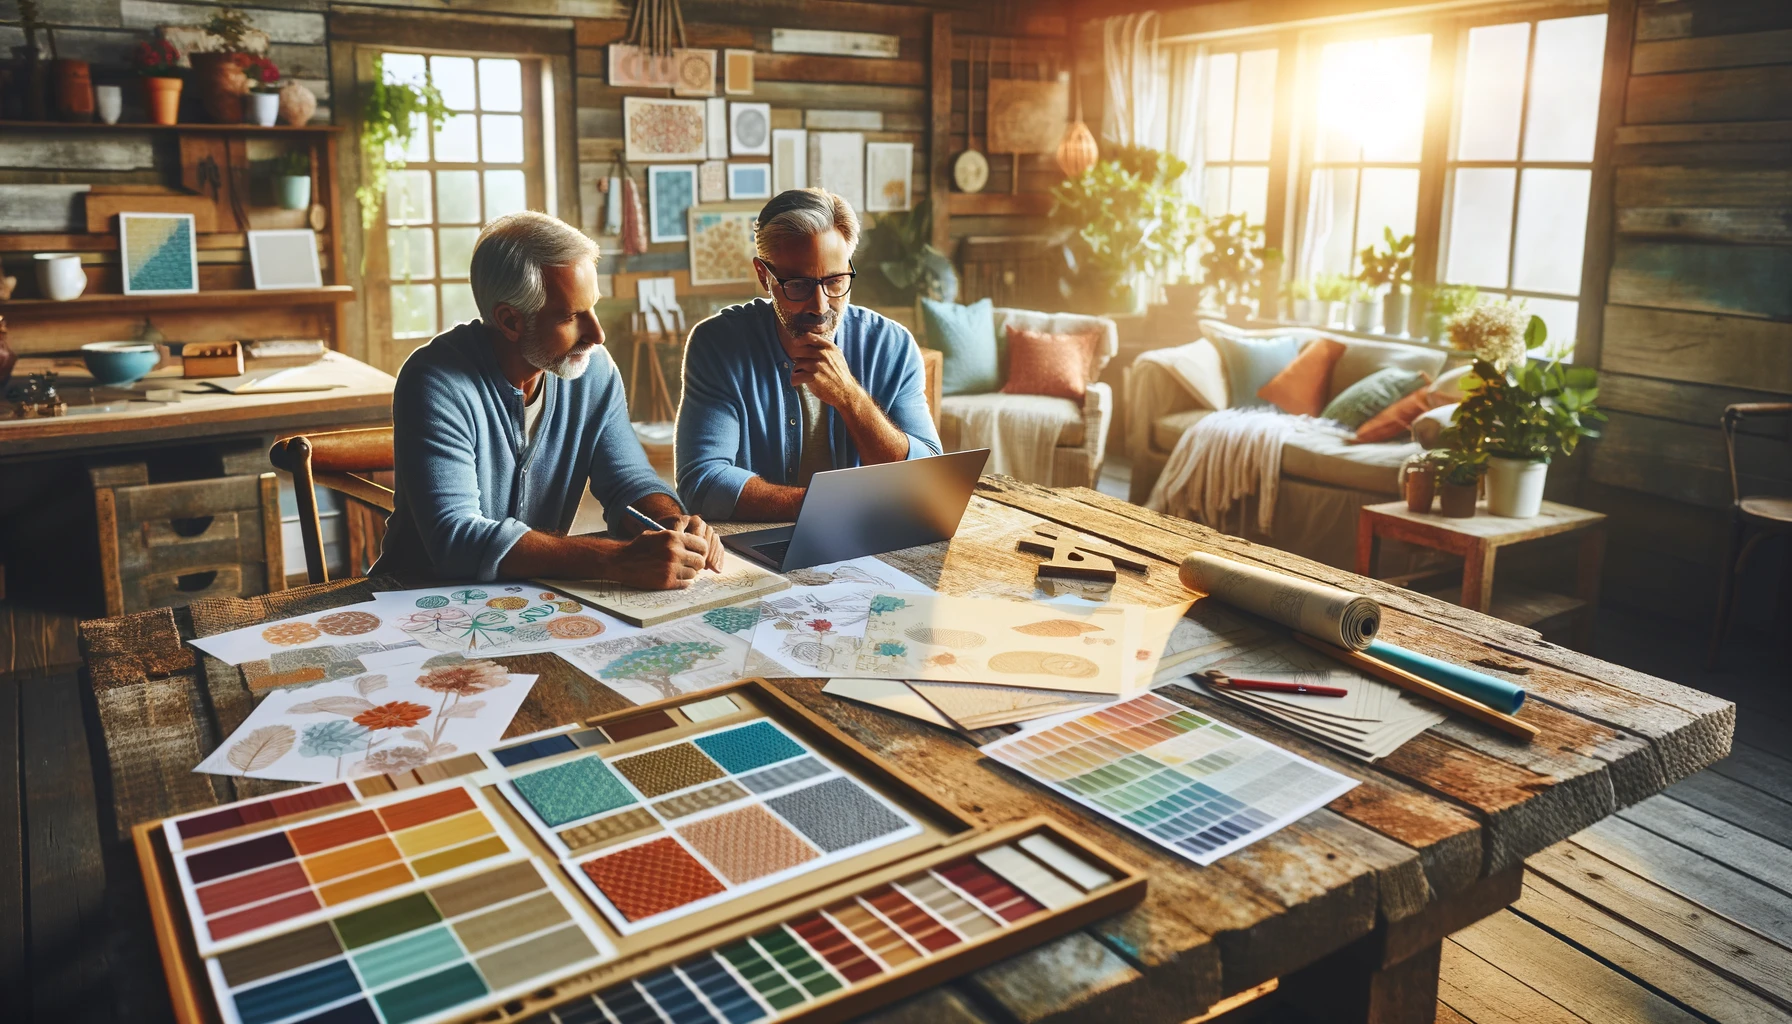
{"points": [[59, 275], [110, 101]]}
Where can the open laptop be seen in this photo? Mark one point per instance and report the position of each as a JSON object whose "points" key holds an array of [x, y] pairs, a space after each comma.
{"points": [[868, 510]]}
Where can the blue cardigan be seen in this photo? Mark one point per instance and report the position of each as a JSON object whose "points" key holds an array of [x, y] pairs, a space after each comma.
{"points": [[740, 417], [467, 487]]}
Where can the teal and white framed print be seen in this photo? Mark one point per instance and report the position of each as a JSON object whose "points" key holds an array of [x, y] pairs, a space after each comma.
{"points": [[158, 253], [671, 191]]}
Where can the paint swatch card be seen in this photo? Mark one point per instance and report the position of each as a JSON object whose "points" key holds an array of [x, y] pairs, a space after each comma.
{"points": [[492, 618], [1197, 787], [395, 720], [363, 624]]}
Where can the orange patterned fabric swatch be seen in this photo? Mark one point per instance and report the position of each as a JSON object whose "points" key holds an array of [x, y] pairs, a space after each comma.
{"points": [[747, 844], [667, 769], [641, 881]]}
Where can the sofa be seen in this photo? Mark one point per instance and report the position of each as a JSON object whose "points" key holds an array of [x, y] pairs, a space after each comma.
{"points": [[1082, 429], [1324, 480]]}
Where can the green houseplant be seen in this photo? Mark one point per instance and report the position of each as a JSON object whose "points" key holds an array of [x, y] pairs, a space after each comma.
{"points": [[1233, 263], [1444, 301], [292, 179], [391, 112], [1305, 305], [1122, 226], [1389, 267], [1334, 290], [912, 268]]}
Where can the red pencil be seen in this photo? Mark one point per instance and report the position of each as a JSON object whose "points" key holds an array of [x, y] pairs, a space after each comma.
{"points": [[1221, 679]]}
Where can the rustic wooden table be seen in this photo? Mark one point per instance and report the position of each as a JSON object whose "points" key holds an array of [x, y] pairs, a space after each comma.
{"points": [[1347, 907], [1478, 540]]}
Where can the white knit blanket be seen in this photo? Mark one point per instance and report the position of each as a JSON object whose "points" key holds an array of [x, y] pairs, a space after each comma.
{"points": [[1224, 458], [1020, 431]]}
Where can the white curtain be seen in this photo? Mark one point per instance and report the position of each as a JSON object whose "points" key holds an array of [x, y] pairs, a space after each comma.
{"points": [[1317, 230], [1134, 112], [1186, 131]]}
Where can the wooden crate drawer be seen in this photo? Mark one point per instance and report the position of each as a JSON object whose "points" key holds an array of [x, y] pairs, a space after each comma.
{"points": [[168, 545], [187, 499], [176, 545], [178, 589]]}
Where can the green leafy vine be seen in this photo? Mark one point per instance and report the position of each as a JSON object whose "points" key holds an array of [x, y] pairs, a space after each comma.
{"points": [[391, 113]]}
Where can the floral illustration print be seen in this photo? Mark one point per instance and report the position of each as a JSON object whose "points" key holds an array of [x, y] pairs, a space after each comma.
{"points": [[331, 739], [456, 681]]}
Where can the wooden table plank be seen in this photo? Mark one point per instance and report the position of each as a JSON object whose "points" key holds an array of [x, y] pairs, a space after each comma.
{"points": [[15, 988]]}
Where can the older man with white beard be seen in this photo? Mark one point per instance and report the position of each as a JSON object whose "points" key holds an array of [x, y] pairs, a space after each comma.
{"points": [[498, 427]]}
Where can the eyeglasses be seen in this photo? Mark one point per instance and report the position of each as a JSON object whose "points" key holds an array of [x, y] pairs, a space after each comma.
{"points": [[802, 289]]}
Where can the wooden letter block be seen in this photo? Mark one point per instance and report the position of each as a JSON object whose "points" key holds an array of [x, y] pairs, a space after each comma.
{"points": [[1069, 558]]}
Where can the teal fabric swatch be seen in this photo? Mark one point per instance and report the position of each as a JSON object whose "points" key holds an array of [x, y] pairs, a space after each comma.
{"points": [[410, 955], [1357, 403], [966, 336], [576, 789], [749, 747], [1251, 363], [425, 996]]}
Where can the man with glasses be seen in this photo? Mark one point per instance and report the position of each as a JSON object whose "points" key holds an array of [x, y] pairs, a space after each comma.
{"points": [[780, 388]]}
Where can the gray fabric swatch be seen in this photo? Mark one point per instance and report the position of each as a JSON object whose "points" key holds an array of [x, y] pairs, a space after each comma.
{"points": [[836, 814], [783, 775]]}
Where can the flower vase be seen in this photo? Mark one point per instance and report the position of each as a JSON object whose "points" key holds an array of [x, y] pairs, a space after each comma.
{"points": [[1515, 486], [264, 108], [72, 84], [1418, 483], [221, 85], [1362, 315], [1394, 306], [161, 97], [108, 102]]}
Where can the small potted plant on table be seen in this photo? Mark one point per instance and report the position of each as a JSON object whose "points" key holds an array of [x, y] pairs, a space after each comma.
{"points": [[264, 88]]}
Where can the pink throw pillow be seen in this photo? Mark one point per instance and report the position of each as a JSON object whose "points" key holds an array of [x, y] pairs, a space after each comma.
{"points": [[1049, 364]]}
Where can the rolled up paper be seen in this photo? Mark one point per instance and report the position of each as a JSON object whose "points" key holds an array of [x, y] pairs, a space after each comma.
{"points": [[1323, 612], [1492, 691]]}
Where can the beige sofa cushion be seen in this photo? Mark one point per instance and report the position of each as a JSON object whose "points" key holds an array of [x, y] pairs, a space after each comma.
{"points": [[1334, 460], [1167, 430], [1362, 357], [1070, 414]]}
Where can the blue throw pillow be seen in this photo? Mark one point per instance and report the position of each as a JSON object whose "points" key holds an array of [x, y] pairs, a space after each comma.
{"points": [[966, 335], [1252, 362], [1357, 403]]}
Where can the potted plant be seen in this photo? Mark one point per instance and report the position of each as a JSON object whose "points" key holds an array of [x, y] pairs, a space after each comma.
{"points": [[1418, 478], [1521, 413], [1390, 268], [390, 113], [1123, 226], [292, 179], [911, 267], [1363, 308], [1306, 308], [1459, 472], [1333, 291], [31, 82], [218, 75], [158, 63], [264, 88], [1444, 301], [1232, 262]]}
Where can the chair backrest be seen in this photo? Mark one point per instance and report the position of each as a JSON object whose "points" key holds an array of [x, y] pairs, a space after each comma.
{"points": [[342, 461], [1733, 417]]}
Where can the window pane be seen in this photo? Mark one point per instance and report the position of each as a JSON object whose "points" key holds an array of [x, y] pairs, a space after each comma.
{"points": [[458, 141], [1330, 219], [1222, 72], [500, 84], [1390, 199], [407, 197], [1480, 226], [412, 253], [457, 250], [407, 68], [1218, 183], [416, 148], [1552, 228], [458, 306], [501, 136], [1372, 98], [1250, 192], [459, 197], [1256, 105], [1565, 89], [1492, 92], [1559, 315], [1341, 69], [504, 193], [454, 77], [413, 310]]}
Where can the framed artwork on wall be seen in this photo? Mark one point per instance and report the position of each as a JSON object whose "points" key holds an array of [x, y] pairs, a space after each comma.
{"points": [[694, 72], [889, 176], [717, 128], [285, 259], [158, 253], [655, 129], [712, 181], [750, 129], [749, 181], [671, 190], [790, 159], [737, 72], [837, 163], [722, 245]]}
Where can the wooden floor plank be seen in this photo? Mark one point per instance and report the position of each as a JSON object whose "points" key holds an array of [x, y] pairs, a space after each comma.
{"points": [[1737, 804], [1716, 942], [1642, 956], [1445, 1015], [1484, 994], [1564, 974], [1759, 858], [1693, 875], [15, 990], [1752, 766]]}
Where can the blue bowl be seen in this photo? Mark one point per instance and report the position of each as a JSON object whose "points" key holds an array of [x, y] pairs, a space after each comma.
{"points": [[117, 363]]}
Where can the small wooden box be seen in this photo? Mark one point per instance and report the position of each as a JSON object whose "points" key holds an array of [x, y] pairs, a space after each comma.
{"points": [[211, 359], [849, 896]]}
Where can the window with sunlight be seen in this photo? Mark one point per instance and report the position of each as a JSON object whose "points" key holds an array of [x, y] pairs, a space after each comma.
{"points": [[1240, 100]]}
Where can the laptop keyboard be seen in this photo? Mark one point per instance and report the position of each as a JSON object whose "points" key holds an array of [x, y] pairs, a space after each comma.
{"points": [[774, 550]]}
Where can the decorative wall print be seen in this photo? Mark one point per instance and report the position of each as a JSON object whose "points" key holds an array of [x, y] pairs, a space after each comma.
{"points": [[837, 163], [159, 253], [749, 181], [712, 181], [632, 67], [842, 44], [655, 129], [790, 159], [738, 581], [670, 192], [395, 720], [492, 618], [716, 128], [721, 246], [662, 661], [889, 175], [844, 120], [1027, 116], [750, 129], [361, 623], [693, 72], [285, 259], [737, 72]]}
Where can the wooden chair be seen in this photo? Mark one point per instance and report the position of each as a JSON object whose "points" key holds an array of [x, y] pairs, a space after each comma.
{"points": [[342, 460], [1765, 516]]}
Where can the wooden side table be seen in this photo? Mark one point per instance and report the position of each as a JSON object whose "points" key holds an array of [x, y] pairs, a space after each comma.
{"points": [[1479, 539]]}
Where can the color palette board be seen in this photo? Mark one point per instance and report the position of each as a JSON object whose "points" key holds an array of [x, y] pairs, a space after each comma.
{"points": [[449, 951], [677, 827], [1195, 786], [270, 866]]}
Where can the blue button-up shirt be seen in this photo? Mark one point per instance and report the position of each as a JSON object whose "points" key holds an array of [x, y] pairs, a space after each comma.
{"points": [[740, 417]]}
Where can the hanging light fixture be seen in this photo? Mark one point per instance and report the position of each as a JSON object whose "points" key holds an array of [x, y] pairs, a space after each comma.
{"points": [[1077, 151]]}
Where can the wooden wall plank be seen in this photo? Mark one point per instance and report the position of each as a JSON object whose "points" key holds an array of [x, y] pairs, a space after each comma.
{"points": [[1686, 462], [1702, 186], [802, 67], [1740, 131], [15, 987], [939, 124], [1596, 245], [1682, 19], [843, 97], [595, 34], [1742, 49], [1705, 154], [1698, 404], [1760, 226], [1738, 94], [1746, 279], [1700, 348], [890, 19]]}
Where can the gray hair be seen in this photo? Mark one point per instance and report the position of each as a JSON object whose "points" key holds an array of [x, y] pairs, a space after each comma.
{"points": [[510, 253], [803, 213]]}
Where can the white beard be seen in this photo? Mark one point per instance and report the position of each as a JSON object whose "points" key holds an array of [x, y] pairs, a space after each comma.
{"points": [[570, 366]]}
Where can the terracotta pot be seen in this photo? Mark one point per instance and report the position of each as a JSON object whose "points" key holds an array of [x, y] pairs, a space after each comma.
{"points": [[71, 82], [221, 86], [1457, 500], [1420, 486], [161, 97]]}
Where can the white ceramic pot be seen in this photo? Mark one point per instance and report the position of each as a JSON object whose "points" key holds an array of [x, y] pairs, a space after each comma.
{"points": [[1311, 312], [1362, 314], [1515, 487], [263, 108], [109, 101], [1335, 312], [59, 275]]}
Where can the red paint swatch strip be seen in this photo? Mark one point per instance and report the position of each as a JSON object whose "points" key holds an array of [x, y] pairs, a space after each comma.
{"points": [[327, 835], [262, 914], [916, 923], [842, 952], [1007, 902], [257, 885]]}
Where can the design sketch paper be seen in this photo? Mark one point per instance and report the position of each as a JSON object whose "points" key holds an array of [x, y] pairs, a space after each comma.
{"points": [[890, 695], [790, 159], [738, 581], [889, 168], [364, 623], [662, 661], [492, 618], [716, 127], [390, 721], [837, 163], [1197, 787]]}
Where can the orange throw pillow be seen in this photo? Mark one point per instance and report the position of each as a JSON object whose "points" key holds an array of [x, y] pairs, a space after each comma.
{"points": [[1397, 419], [1300, 387], [1049, 364]]}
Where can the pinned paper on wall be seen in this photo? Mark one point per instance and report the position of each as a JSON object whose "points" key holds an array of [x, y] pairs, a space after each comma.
{"points": [[889, 176], [790, 159], [837, 163], [656, 129], [737, 72]]}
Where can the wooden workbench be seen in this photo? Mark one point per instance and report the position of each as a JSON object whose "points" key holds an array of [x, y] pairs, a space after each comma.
{"points": [[1347, 907]]}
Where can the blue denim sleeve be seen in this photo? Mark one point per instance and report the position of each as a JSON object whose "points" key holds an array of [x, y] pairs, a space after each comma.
{"points": [[906, 388], [709, 433]]}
